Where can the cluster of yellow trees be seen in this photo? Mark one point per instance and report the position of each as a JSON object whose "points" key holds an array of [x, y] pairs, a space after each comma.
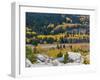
{"points": [[69, 36]]}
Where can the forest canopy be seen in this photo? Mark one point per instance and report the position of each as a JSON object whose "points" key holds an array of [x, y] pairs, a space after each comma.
{"points": [[47, 23]]}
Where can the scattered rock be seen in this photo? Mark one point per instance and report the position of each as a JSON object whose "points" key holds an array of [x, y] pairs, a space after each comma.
{"points": [[55, 62]]}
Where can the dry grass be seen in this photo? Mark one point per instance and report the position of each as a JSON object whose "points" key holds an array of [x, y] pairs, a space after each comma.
{"points": [[53, 51]]}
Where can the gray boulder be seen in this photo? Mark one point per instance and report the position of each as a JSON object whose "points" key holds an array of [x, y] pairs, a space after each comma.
{"points": [[75, 57], [60, 59]]}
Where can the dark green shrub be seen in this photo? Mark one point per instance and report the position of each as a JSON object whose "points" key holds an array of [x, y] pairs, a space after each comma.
{"points": [[59, 54]]}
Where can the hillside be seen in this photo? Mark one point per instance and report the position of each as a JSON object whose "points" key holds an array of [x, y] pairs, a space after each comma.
{"points": [[46, 23]]}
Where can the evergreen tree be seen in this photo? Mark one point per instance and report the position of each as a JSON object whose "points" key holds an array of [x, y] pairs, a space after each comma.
{"points": [[66, 58]]}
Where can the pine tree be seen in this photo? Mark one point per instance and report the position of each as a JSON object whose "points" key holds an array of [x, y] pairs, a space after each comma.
{"points": [[66, 58]]}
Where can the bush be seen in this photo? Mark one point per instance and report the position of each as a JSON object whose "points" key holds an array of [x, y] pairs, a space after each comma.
{"points": [[28, 40], [30, 55], [86, 60], [59, 54], [34, 42]]}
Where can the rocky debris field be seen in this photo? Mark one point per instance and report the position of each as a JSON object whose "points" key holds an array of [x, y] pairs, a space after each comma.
{"points": [[44, 60]]}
